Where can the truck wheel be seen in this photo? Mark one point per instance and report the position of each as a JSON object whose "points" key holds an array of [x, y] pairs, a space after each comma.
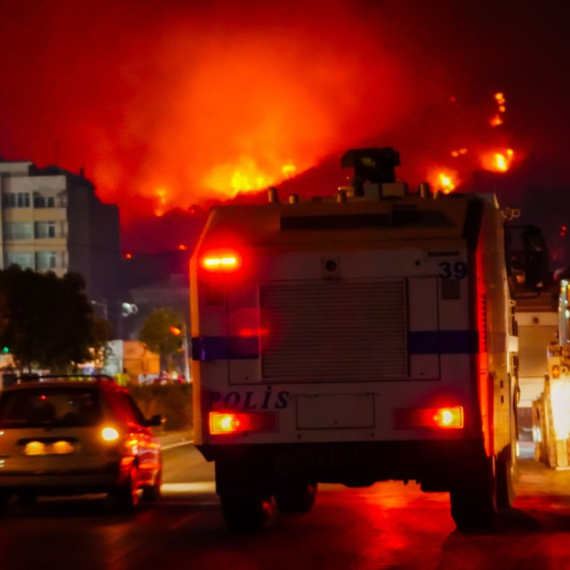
{"points": [[506, 489], [473, 506], [245, 512], [296, 496]]}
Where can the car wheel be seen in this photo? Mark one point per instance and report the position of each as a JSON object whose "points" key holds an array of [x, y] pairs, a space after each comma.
{"points": [[152, 493], [127, 497]]}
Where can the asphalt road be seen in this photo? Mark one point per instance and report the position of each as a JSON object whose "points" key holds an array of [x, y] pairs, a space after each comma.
{"points": [[388, 526]]}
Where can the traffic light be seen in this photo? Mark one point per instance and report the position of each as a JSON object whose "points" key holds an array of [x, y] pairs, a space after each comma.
{"points": [[5, 350], [176, 331]]}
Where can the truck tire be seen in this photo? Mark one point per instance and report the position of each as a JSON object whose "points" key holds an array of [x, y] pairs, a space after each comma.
{"points": [[296, 496], [473, 504], [506, 489], [245, 512]]}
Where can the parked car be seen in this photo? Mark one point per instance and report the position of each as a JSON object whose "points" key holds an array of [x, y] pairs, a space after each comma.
{"points": [[70, 435]]}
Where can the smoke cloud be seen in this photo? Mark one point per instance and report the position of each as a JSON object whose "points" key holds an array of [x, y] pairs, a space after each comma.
{"points": [[172, 103]]}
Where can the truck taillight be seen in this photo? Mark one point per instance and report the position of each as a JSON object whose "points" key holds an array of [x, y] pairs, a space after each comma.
{"points": [[227, 423], [226, 261], [451, 417]]}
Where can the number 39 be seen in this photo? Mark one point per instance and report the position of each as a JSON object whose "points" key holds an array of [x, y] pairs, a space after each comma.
{"points": [[457, 270]]}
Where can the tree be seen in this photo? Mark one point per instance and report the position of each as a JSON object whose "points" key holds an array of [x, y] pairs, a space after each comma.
{"points": [[47, 321], [162, 332]]}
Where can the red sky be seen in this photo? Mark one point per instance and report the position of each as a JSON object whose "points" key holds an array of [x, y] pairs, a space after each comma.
{"points": [[169, 103]]}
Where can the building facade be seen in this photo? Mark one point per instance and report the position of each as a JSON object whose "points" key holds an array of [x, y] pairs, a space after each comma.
{"points": [[52, 220]]}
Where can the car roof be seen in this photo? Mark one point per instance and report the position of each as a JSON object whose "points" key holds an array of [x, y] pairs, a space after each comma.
{"points": [[72, 381]]}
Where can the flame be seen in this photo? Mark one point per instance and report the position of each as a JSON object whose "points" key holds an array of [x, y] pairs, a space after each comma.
{"points": [[501, 108], [161, 194], [247, 176], [496, 121], [498, 161], [443, 180]]}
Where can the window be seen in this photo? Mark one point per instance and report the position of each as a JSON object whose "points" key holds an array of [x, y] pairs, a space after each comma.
{"points": [[41, 201], [46, 260], [44, 230], [23, 259], [18, 230], [61, 406], [125, 408], [16, 200]]}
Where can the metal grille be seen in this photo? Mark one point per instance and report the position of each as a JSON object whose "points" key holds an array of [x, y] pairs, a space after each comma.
{"points": [[333, 331], [450, 289]]}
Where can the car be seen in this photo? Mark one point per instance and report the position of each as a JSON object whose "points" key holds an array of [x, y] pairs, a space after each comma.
{"points": [[74, 435]]}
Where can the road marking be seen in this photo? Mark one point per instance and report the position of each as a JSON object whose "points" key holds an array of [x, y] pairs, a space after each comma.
{"points": [[196, 487], [177, 444]]}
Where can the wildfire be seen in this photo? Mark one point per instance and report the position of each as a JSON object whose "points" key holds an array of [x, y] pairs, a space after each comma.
{"points": [[248, 176], [161, 194], [498, 161], [443, 180], [501, 108]]}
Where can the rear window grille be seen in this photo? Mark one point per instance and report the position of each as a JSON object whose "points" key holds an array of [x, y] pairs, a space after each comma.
{"points": [[334, 331]]}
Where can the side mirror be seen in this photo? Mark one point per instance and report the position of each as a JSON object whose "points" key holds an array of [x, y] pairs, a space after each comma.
{"points": [[154, 421]]}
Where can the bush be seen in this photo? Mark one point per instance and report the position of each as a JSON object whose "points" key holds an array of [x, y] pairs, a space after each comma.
{"points": [[172, 401]]}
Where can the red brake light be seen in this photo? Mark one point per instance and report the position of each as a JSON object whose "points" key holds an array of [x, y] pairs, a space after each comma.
{"points": [[228, 423], [451, 417], [221, 261]]}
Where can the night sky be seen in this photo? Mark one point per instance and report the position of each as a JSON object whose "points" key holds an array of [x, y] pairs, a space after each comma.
{"points": [[170, 104]]}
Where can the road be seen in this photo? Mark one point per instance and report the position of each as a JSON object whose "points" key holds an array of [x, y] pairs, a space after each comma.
{"points": [[388, 526]]}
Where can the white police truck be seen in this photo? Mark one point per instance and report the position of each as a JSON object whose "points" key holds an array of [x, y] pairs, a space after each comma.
{"points": [[355, 339]]}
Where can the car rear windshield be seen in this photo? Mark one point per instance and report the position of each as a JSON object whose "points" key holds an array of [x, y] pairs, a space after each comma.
{"points": [[54, 406]]}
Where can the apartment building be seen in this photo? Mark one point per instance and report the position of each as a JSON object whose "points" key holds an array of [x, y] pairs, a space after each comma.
{"points": [[52, 220]]}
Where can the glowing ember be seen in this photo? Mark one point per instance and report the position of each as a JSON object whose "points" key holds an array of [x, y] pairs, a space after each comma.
{"points": [[496, 121], [498, 161], [501, 107]]}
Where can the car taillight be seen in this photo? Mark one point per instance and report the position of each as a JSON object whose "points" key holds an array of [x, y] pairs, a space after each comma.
{"points": [[223, 261], [228, 423], [451, 417]]}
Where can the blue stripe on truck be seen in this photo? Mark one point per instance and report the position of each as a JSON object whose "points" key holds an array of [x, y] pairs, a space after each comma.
{"points": [[419, 342]]}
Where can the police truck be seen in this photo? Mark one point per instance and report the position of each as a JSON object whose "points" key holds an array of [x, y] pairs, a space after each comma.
{"points": [[363, 337]]}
